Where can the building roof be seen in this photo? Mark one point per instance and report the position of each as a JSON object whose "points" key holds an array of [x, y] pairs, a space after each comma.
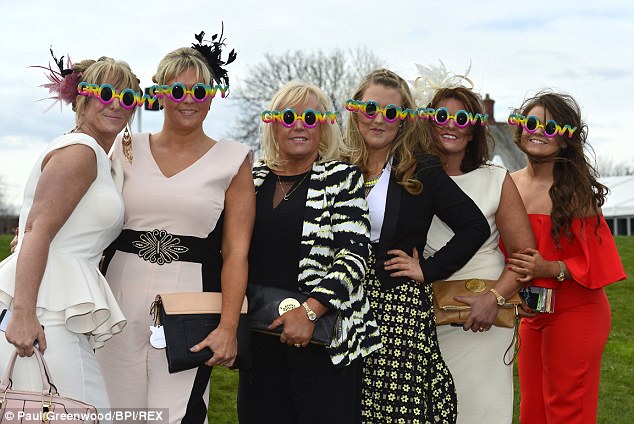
{"points": [[620, 201]]}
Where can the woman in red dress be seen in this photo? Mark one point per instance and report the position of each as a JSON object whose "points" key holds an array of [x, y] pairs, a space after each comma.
{"points": [[560, 359]]}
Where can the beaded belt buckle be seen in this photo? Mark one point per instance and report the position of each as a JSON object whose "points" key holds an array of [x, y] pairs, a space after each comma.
{"points": [[159, 246]]}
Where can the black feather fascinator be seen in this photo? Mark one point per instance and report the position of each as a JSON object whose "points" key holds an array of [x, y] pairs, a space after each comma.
{"points": [[212, 52]]}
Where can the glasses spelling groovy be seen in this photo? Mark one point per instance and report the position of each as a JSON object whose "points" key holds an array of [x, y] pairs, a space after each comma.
{"points": [[391, 113], [532, 124], [288, 117], [129, 98]]}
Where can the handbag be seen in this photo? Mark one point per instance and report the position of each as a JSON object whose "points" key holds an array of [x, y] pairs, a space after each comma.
{"points": [[266, 303], [187, 318], [45, 406], [449, 311]]}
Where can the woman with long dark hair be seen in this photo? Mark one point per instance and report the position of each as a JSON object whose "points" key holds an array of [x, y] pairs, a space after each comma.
{"points": [[560, 358]]}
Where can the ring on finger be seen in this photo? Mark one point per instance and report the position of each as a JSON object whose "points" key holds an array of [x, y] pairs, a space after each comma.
{"points": [[297, 345]]}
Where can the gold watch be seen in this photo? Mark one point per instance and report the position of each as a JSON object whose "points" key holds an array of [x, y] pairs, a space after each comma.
{"points": [[498, 296], [312, 316]]}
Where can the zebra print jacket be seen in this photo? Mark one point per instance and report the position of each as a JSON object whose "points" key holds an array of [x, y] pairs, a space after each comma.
{"points": [[335, 246]]}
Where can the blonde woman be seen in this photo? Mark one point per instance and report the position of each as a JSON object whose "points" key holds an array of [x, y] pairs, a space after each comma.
{"points": [[310, 236], [407, 380]]}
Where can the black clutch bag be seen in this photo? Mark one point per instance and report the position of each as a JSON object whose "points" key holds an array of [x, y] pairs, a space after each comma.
{"points": [[267, 303], [187, 319]]}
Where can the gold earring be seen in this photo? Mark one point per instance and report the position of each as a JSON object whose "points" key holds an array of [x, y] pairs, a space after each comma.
{"points": [[126, 144]]}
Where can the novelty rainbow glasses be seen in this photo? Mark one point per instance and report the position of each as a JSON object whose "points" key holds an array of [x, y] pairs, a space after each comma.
{"points": [[371, 110], [106, 94], [461, 118], [392, 112], [199, 92], [288, 117], [128, 98], [532, 124]]}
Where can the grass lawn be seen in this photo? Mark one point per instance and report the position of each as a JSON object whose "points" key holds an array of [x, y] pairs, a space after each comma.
{"points": [[616, 395]]}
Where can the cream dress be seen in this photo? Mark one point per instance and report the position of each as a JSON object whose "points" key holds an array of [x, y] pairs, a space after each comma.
{"points": [[476, 360], [74, 304]]}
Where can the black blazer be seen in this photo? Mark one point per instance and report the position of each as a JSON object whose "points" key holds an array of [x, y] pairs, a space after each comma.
{"points": [[408, 218]]}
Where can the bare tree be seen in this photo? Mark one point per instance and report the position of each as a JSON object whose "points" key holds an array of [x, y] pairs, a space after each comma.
{"points": [[4, 208], [336, 72], [607, 167]]}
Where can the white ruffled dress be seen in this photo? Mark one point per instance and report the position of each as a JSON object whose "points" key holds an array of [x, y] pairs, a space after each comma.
{"points": [[72, 288]]}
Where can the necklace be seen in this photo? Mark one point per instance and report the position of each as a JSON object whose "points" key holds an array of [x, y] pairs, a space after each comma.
{"points": [[287, 195]]}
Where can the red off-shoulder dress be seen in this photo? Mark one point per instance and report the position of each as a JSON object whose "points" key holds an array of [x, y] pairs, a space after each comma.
{"points": [[560, 357]]}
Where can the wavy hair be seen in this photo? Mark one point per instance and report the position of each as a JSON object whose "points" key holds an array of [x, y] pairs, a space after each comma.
{"points": [[292, 94], [411, 138], [477, 151], [575, 191]]}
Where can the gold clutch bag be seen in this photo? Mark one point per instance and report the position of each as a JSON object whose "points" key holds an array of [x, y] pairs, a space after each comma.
{"points": [[450, 311]]}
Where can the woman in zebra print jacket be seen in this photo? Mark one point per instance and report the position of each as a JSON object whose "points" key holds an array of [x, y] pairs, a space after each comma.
{"points": [[310, 235]]}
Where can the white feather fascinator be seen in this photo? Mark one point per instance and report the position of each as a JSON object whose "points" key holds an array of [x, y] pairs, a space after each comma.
{"points": [[433, 78]]}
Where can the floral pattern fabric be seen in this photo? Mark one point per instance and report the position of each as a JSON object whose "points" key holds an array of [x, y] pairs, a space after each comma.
{"points": [[407, 380]]}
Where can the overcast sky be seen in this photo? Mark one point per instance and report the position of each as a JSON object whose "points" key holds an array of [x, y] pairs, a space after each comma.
{"points": [[585, 48]]}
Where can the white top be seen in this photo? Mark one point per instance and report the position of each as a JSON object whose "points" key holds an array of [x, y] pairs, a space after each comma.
{"points": [[377, 200], [72, 283], [484, 187]]}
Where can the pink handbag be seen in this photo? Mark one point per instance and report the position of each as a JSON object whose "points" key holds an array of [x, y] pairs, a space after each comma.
{"points": [[46, 406]]}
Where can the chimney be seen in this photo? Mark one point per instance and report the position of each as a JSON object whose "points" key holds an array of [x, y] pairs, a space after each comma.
{"points": [[488, 109]]}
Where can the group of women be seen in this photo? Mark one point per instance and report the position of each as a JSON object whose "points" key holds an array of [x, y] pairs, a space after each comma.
{"points": [[361, 223]]}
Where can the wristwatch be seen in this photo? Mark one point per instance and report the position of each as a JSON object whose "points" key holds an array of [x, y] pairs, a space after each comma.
{"points": [[498, 296], [312, 316], [561, 276]]}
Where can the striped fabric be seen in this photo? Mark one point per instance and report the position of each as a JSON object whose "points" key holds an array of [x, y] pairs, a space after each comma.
{"points": [[334, 253]]}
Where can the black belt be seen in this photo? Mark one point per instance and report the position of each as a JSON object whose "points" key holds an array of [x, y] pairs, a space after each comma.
{"points": [[161, 247]]}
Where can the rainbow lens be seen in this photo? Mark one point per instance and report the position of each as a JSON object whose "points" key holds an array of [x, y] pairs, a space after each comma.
{"points": [[309, 118], [177, 92], [288, 118], [531, 124], [461, 118], [199, 91], [370, 108], [551, 128], [390, 113], [441, 116], [106, 93]]}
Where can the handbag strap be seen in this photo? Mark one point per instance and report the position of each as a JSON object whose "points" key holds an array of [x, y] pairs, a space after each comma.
{"points": [[47, 384], [516, 337]]}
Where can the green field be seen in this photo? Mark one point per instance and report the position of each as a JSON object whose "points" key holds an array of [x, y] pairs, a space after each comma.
{"points": [[616, 396]]}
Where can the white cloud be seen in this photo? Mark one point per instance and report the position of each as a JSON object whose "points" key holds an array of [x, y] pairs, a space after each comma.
{"points": [[515, 48]]}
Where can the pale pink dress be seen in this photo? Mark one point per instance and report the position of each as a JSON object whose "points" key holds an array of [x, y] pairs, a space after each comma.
{"points": [[188, 203]]}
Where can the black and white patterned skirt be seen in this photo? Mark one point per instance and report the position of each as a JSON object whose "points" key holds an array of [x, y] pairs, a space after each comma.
{"points": [[407, 380]]}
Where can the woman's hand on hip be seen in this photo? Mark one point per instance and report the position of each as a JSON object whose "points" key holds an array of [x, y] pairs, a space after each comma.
{"points": [[404, 265], [298, 329]]}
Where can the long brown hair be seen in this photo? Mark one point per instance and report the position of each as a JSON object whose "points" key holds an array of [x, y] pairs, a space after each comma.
{"points": [[411, 138], [477, 151], [575, 192]]}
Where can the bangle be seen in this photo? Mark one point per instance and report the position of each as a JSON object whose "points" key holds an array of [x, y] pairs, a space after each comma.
{"points": [[561, 275]]}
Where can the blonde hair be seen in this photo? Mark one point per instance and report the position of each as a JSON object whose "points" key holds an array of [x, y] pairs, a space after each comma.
{"points": [[180, 60], [411, 138], [103, 71], [292, 94]]}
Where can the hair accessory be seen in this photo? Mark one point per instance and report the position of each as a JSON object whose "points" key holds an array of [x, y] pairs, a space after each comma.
{"points": [[212, 53], [63, 84], [432, 79]]}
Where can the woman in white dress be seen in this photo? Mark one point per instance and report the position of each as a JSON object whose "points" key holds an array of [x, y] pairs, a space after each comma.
{"points": [[476, 353], [72, 211]]}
